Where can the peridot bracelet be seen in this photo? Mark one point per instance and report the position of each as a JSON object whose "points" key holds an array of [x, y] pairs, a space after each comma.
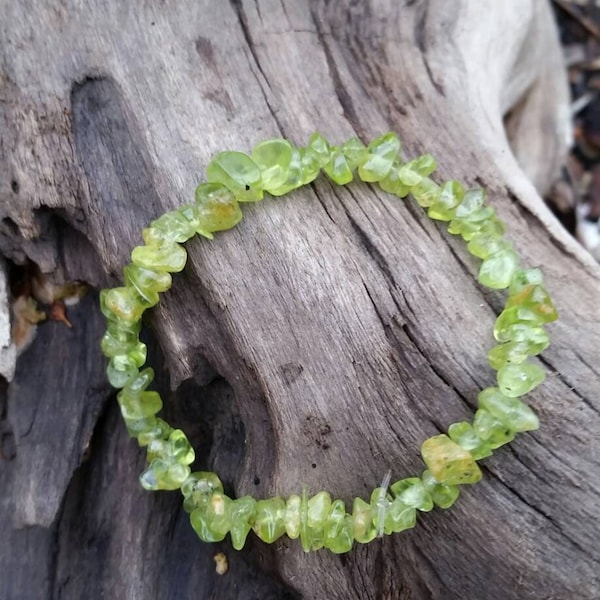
{"points": [[277, 167]]}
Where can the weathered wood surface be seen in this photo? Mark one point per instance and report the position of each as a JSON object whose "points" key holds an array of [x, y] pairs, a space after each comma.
{"points": [[322, 340]]}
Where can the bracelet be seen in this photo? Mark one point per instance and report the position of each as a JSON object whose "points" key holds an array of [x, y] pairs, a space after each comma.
{"points": [[276, 167]]}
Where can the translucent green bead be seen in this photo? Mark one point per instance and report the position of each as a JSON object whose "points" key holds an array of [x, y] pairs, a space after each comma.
{"points": [[443, 495], [291, 519], [318, 509], [338, 169], [510, 411], [484, 245], [137, 427], [268, 519], [295, 175], [338, 533], [536, 298], [217, 209], [198, 487], [165, 257], [212, 521], [426, 192], [319, 148], [158, 430], [399, 517], [377, 161], [170, 227], [242, 516], [515, 315], [533, 336], [121, 369], [124, 331], [180, 448], [450, 196], [146, 281], [524, 278], [464, 435], [496, 272], [237, 172], [355, 152], [491, 430], [164, 475], [508, 353], [362, 522], [475, 223], [273, 158], [412, 492], [392, 185], [310, 166], [414, 171], [519, 379], [122, 303], [111, 345], [448, 462], [472, 201], [139, 406]]}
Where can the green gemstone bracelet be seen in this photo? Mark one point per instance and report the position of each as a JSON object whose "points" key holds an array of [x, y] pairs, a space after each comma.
{"points": [[277, 167]]}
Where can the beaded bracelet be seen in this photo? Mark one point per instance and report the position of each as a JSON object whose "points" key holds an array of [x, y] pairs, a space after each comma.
{"points": [[276, 167]]}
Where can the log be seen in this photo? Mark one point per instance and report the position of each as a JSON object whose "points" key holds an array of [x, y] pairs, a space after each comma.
{"points": [[322, 340]]}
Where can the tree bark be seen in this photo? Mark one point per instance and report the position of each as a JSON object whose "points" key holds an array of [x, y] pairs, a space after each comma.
{"points": [[322, 340]]}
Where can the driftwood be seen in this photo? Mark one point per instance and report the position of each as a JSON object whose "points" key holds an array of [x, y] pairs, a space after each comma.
{"points": [[324, 338]]}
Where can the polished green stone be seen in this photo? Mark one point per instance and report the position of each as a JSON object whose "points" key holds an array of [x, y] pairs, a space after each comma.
{"points": [[523, 278], [515, 315], [158, 430], [412, 492], [121, 369], [380, 154], [449, 462], [414, 171], [165, 257], [269, 519], [519, 379], [317, 509], [146, 281], [534, 337], [508, 353], [217, 209], [170, 227], [112, 345], [464, 435], [180, 448], [484, 245], [537, 299], [274, 158], [491, 430], [338, 169], [124, 331], [443, 495], [237, 172], [242, 516], [496, 271], [362, 521], [122, 304], [310, 166], [473, 224], [198, 488], [212, 521], [512, 412], [450, 196], [426, 192], [399, 517], [138, 406], [319, 148], [338, 532], [295, 175], [392, 184], [137, 427], [291, 519], [164, 475], [355, 152]]}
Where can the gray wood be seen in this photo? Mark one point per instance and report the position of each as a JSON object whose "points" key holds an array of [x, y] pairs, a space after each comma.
{"points": [[323, 339]]}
